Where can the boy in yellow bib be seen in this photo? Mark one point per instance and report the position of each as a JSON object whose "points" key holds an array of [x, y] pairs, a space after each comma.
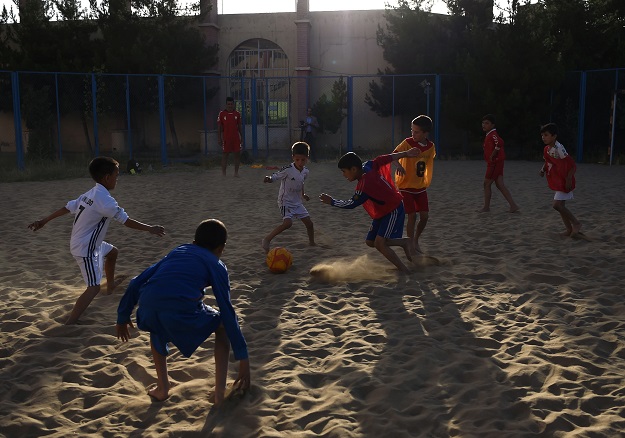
{"points": [[413, 176]]}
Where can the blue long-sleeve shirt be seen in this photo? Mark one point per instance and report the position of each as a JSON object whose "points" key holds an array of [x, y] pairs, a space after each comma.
{"points": [[176, 284]]}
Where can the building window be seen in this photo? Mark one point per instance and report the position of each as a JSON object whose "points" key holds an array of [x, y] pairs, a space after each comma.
{"points": [[263, 65]]}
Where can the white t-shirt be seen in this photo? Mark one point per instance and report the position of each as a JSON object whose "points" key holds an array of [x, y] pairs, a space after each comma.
{"points": [[92, 211], [291, 184]]}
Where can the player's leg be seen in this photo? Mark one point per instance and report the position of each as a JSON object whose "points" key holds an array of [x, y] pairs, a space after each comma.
{"points": [[287, 222], [237, 162], [489, 178], [310, 229], [221, 352], [506, 194], [487, 194], [161, 391], [390, 230], [224, 162], [423, 221], [571, 223], [91, 271], [109, 253], [82, 303]]}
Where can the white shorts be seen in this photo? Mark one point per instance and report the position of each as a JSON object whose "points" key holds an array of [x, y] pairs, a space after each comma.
{"points": [[92, 267], [563, 196], [293, 211]]}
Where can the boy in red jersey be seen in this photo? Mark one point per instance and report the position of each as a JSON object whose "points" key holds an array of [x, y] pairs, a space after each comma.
{"points": [[229, 135], [376, 192], [560, 170], [414, 175], [494, 156]]}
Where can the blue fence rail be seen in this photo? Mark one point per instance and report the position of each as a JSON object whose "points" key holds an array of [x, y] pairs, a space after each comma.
{"points": [[168, 118]]}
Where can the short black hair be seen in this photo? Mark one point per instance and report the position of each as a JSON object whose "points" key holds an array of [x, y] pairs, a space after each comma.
{"points": [[423, 122], [350, 160], [229, 99], [99, 167], [211, 234], [551, 128], [490, 118], [300, 148]]}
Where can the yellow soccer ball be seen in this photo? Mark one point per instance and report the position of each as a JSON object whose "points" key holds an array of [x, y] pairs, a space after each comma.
{"points": [[279, 260]]}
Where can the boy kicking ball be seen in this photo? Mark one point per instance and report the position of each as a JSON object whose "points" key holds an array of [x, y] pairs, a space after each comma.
{"points": [[376, 192]]}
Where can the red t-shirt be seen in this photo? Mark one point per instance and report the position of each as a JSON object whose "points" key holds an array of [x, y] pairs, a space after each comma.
{"points": [[230, 123], [492, 141], [378, 185], [558, 164]]}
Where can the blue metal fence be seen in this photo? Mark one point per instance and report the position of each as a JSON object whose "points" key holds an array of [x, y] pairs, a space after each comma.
{"points": [[159, 117]]}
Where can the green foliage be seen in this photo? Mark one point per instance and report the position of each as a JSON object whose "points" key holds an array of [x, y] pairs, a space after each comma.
{"points": [[331, 112], [511, 63]]}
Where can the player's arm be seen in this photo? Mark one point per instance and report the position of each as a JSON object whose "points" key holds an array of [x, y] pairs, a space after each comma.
{"points": [[129, 300], [41, 222], [359, 198], [304, 195], [220, 131], [412, 152], [152, 229]]}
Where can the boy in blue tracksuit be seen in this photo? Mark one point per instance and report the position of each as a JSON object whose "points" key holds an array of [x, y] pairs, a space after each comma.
{"points": [[170, 298]]}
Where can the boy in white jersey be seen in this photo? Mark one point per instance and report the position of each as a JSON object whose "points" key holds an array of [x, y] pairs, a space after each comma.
{"points": [[291, 193], [92, 211]]}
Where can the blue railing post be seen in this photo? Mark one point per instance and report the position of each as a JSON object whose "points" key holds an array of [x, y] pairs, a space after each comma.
{"points": [[204, 112], [161, 111], [267, 116], [437, 112], [128, 128], [393, 114], [254, 120], [581, 117], [58, 116], [350, 113], [17, 120], [94, 105], [243, 114]]}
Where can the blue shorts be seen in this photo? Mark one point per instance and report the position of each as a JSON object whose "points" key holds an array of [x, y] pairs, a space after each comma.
{"points": [[390, 226], [187, 330]]}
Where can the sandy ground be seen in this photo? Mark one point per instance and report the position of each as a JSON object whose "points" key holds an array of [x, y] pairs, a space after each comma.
{"points": [[518, 332]]}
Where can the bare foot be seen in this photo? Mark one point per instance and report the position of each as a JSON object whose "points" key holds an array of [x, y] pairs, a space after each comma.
{"points": [[265, 244], [566, 233], [484, 210], [158, 394], [409, 251], [111, 287], [312, 244], [514, 209], [575, 228], [417, 249], [236, 175]]}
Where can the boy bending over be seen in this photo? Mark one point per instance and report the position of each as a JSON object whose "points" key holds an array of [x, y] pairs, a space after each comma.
{"points": [[170, 295], [376, 192]]}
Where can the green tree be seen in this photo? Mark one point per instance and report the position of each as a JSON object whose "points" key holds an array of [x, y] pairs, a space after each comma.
{"points": [[331, 112]]}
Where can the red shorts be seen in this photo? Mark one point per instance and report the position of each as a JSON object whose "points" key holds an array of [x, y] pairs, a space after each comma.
{"points": [[494, 170], [232, 145], [414, 202]]}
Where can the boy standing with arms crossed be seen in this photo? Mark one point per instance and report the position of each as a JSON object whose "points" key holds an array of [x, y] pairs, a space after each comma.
{"points": [[414, 175], [494, 155], [560, 170], [93, 211], [170, 296], [376, 192], [291, 194]]}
